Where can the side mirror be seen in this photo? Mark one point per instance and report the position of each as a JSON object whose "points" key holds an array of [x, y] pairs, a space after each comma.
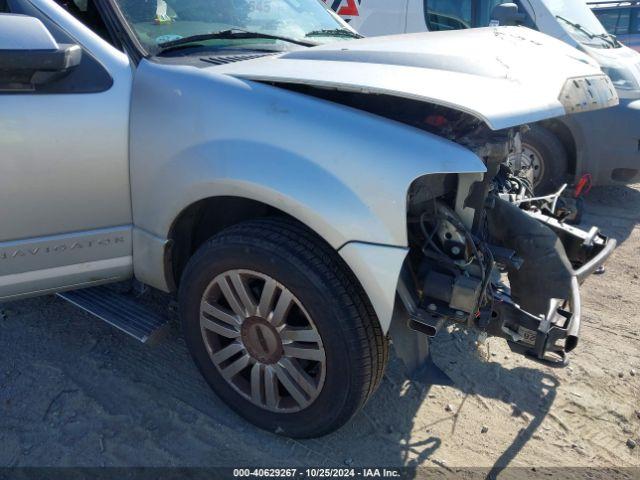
{"points": [[506, 14], [30, 56]]}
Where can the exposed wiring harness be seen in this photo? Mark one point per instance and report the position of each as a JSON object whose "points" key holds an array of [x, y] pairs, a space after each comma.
{"points": [[480, 252]]}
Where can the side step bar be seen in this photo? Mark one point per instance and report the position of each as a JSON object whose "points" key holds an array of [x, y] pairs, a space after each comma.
{"points": [[120, 311]]}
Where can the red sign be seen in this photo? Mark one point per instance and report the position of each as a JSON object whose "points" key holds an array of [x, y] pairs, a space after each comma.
{"points": [[346, 8]]}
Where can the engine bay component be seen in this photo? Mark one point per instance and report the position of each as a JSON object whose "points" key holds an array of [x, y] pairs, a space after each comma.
{"points": [[455, 271], [512, 269]]}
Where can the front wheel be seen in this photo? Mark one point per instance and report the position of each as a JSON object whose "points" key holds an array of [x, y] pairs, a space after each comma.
{"points": [[545, 158], [280, 329]]}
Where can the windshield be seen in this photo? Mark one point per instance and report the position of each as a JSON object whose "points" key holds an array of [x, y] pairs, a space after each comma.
{"points": [[160, 21], [585, 22]]}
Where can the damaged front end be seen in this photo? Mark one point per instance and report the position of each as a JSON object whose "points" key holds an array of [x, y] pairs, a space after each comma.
{"points": [[486, 253], [482, 252]]}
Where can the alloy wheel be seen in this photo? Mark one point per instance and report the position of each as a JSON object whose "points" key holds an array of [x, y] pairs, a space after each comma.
{"points": [[262, 340]]}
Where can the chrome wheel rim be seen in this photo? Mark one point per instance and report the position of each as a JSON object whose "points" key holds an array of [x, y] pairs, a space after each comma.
{"points": [[531, 161], [262, 341]]}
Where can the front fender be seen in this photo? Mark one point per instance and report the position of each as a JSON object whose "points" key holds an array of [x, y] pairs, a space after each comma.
{"points": [[378, 269], [344, 173]]}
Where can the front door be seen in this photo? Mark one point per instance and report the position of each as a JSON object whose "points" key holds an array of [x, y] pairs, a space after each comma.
{"points": [[65, 215]]}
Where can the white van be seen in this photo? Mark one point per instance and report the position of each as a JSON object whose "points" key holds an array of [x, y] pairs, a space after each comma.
{"points": [[604, 144]]}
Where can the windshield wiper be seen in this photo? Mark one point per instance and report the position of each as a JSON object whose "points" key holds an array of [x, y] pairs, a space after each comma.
{"points": [[230, 34], [334, 32], [577, 26], [610, 36]]}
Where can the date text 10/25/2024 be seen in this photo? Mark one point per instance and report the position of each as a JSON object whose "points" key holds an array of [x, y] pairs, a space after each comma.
{"points": [[318, 472]]}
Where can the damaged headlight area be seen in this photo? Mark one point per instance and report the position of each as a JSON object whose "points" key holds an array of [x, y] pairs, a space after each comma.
{"points": [[487, 253]]}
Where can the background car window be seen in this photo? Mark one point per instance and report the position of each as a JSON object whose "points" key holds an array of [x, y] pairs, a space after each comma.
{"points": [[448, 14], [635, 20], [614, 20]]}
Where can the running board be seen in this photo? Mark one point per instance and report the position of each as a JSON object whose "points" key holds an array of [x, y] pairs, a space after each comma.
{"points": [[120, 311]]}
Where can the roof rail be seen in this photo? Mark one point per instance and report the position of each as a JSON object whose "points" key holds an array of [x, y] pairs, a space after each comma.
{"points": [[617, 3]]}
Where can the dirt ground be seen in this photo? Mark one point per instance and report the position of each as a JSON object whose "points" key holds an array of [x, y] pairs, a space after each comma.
{"points": [[75, 392]]}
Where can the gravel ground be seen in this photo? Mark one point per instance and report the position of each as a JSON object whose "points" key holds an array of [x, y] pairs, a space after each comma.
{"points": [[75, 392]]}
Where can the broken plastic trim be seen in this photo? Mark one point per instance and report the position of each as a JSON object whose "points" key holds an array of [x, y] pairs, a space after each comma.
{"points": [[419, 320]]}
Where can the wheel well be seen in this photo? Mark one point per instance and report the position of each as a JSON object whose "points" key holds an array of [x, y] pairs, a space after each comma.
{"points": [[203, 219], [560, 130]]}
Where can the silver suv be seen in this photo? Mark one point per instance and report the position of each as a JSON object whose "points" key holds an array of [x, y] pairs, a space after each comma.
{"points": [[304, 192]]}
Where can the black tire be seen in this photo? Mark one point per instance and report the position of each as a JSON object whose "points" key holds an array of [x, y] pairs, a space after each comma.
{"points": [[555, 163], [355, 347]]}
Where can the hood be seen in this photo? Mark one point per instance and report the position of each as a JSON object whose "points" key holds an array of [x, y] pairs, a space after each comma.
{"points": [[506, 76]]}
